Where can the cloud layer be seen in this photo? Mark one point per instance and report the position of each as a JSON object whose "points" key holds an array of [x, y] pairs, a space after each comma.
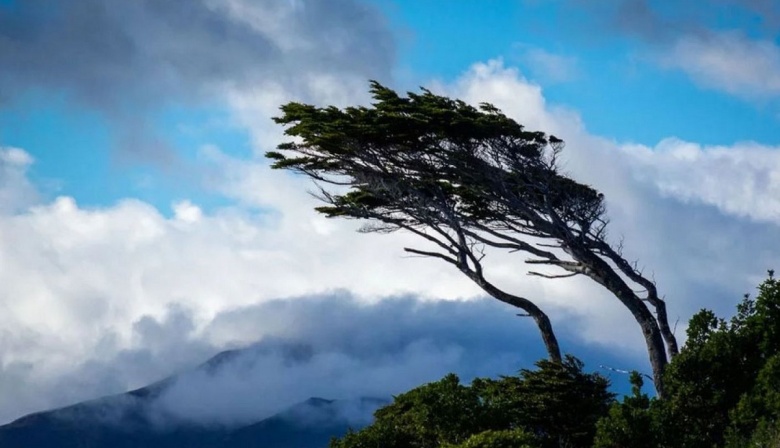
{"points": [[338, 347]]}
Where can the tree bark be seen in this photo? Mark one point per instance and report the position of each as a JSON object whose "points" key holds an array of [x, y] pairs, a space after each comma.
{"points": [[536, 313], [652, 296], [598, 270]]}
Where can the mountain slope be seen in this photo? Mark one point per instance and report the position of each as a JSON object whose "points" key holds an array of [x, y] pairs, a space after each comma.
{"points": [[131, 420], [309, 424]]}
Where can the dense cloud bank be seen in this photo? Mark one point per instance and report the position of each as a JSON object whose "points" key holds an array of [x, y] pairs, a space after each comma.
{"points": [[331, 346], [336, 347]]}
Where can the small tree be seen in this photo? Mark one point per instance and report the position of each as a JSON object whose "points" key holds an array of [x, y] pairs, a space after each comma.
{"points": [[463, 179], [634, 422]]}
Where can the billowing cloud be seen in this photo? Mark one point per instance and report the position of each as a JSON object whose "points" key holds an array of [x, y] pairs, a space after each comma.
{"points": [[694, 173], [332, 345]]}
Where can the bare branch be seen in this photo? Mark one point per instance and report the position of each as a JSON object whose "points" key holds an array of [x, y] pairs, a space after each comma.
{"points": [[433, 255], [510, 242], [539, 274]]}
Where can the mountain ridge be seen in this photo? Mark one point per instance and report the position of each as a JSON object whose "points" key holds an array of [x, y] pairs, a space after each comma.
{"points": [[131, 419]]}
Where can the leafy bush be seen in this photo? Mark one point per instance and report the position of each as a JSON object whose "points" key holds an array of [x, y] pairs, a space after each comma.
{"points": [[631, 423], [555, 405], [722, 390], [511, 438]]}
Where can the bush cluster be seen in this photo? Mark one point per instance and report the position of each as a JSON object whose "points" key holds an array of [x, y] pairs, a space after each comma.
{"points": [[722, 390]]}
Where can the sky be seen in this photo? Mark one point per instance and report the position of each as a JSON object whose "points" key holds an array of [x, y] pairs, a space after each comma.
{"points": [[142, 231]]}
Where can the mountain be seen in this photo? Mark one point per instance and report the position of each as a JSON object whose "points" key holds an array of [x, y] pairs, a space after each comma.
{"points": [[129, 420], [308, 424]]}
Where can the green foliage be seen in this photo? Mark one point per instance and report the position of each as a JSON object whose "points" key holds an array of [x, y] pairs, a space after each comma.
{"points": [[558, 402], [555, 405], [722, 390], [631, 423], [402, 151], [510, 438], [427, 416]]}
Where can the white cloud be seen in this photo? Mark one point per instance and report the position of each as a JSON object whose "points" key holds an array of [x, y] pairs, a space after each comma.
{"points": [[15, 157], [741, 180], [729, 61], [186, 211]]}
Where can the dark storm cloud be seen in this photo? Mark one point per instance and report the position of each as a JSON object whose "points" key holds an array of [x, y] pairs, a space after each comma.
{"points": [[112, 53]]}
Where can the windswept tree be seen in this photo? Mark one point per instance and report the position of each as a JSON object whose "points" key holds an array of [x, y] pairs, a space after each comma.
{"points": [[463, 179]]}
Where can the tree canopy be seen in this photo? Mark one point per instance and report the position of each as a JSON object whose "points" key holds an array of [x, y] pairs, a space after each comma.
{"points": [[555, 405], [464, 179]]}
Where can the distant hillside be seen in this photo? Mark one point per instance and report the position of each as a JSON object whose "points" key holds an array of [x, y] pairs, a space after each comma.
{"points": [[129, 421]]}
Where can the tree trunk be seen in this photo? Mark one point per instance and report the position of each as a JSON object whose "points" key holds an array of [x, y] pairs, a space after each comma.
{"points": [[666, 332], [655, 350], [539, 316], [548, 336], [598, 270]]}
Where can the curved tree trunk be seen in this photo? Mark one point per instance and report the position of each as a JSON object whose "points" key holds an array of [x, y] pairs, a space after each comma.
{"points": [[548, 336], [598, 270], [655, 349], [666, 331], [539, 316], [652, 296]]}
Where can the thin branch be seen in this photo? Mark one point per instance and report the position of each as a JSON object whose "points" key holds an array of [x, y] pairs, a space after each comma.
{"points": [[539, 274], [512, 243], [432, 254]]}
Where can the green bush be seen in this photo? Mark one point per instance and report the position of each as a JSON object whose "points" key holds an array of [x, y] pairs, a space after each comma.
{"points": [[556, 405], [722, 390], [512, 438]]}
